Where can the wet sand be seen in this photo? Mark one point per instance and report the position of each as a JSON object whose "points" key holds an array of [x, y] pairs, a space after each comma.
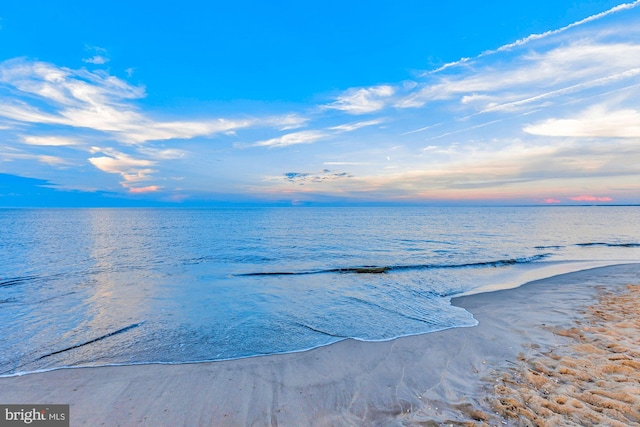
{"points": [[560, 351]]}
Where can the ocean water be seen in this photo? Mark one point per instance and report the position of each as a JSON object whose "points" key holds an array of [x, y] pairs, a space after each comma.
{"points": [[87, 287]]}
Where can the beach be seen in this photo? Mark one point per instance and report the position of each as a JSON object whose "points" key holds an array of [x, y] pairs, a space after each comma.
{"points": [[559, 351]]}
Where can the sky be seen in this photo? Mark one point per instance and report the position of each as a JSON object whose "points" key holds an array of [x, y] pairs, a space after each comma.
{"points": [[198, 103]]}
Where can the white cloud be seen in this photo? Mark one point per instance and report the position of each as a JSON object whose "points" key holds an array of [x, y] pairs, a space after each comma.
{"points": [[302, 178], [594, 122], [533, 37], [94, 100], [99, 55], [132, 170], [143, 190], [286, 122], [11, 154], [563, 91], [363, 100], [162, 154], [96, 59], [615, 9], [116, 162], [304, 137], [533, 76], [350, 127], [55, 141], [51, 160]]}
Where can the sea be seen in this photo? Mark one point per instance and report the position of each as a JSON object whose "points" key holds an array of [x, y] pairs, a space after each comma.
{"points": [[92, 287]]}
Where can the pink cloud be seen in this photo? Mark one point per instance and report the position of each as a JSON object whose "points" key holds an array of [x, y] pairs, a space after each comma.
{"points": [[550, 200], [142, 190], [590, 199]]}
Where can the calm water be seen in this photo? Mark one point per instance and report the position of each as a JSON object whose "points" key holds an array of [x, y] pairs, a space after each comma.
{"points": [[118, 286]]}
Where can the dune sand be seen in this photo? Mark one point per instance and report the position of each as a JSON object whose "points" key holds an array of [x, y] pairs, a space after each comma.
{"points": [[560, 351]]}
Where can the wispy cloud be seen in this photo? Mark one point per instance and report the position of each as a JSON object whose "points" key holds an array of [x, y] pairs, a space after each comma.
{"points": [[532, 77], [302, 178], [96, 59], [285, 122], [92, 100], [54, 141], [597, 16], [98, 55], [534, 37], [9, 155], [304, 137], [363, 100], [350, 127]]}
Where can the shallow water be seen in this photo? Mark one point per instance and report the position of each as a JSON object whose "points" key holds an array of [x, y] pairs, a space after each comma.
{"points": [[116, 286]]}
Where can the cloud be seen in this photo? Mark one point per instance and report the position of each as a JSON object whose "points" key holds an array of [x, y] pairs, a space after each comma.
{"points": [[116, 162], [11, 155], [603, 81], [51, 160], [350, 127], [99, 55], [96, 59], [363, 100], [54, 141], [594, 122], [286, 122], [615, 9], [304, 137], [143, 190], [92, 100], [534, 37], [481, 129], [162, 154], [532, 76], [302, 178], [130, 168], [590, 199]]}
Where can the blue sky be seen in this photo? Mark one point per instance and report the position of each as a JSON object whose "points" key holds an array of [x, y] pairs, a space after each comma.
{"points": [[295, 103]]}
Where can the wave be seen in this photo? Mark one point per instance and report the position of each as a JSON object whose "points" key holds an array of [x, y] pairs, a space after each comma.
{"points": [[612, 245], [373, 269], [110, 334], [17, 281]]}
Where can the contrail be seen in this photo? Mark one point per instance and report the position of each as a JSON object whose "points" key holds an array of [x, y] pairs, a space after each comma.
{"points": [[615, 9]]}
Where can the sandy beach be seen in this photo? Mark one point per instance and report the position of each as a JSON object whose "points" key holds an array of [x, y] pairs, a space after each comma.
{"points": [[559, 351]]}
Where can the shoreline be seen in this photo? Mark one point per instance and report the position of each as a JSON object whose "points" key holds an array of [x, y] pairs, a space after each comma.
{"points": [[518, 280], [435, 378]]}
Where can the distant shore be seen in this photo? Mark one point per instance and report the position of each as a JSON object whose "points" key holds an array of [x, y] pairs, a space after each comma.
{"points": [[559, 351]]}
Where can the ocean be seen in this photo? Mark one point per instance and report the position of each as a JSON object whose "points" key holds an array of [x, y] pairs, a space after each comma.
{"points": [[91, 287]]}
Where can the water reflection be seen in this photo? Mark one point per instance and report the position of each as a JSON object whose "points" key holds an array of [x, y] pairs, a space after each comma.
{"points": [[96, 286]]}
